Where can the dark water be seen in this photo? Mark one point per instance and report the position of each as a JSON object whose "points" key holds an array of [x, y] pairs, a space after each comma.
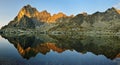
{"points": [[59, 50]]}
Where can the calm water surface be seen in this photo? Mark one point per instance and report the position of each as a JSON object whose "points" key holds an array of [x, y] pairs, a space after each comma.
{"points": [[59, 50]]}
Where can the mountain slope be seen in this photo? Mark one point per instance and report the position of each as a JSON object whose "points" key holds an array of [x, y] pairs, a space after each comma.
{"points": [[108, 20], [33, 14], [29, 17]]}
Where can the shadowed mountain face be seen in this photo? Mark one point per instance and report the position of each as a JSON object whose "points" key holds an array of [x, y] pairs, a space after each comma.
{"points": [[30, 46]]}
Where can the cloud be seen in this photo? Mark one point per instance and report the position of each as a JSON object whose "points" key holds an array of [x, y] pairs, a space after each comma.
{"points": [[117, 5]]}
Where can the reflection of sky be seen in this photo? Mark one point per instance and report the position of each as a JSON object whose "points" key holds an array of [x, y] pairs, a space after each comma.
{"points": [[5, 46], [72, 58], [117, 60], [2, 39], [8, 53]]}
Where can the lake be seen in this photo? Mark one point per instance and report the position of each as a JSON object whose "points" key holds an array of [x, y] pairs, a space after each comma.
{"points": [[59, 50]]}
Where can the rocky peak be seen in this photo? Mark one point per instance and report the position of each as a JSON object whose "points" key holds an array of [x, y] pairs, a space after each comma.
{"points": [[84, 13], [112, 10], [56, 16], [28, 11], [59, 15], [44, 12], [44, 15]]}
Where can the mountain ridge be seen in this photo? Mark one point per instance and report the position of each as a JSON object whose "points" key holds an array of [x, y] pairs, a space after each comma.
{"points": [[44, 21], [32, 12]]}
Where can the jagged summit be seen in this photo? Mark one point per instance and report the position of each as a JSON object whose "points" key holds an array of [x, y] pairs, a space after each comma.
{"points": [[44, 11], [44, 15], [28, 11], [56, 16], [84, 13], [113, 10], [28, 6]]}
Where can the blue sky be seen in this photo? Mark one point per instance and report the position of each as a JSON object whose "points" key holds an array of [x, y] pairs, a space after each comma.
{"points": [[10, 8]]}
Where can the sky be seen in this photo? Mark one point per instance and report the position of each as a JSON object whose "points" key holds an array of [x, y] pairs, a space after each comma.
{"points": [[10, 8]]}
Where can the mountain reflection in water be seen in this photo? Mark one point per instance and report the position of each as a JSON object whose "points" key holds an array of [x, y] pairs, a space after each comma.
{"points": [[29, 46]]}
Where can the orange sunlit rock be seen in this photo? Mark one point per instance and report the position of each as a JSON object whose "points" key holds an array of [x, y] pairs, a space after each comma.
{"points": [[42, 48], [27, 11], [20, 49], [55, 17], [118, 11], [43, 16], [118, 55], [54, 47]]}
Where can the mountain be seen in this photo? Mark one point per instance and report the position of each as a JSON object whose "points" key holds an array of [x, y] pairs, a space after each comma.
{"points": [[27, 11], [55, 17], [35, 16], [26, 18], [105, 21], [44, 15], [29, 17]]}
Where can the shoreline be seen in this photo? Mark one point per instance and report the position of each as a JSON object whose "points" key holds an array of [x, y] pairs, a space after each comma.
{"points": [[82, 33]]}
